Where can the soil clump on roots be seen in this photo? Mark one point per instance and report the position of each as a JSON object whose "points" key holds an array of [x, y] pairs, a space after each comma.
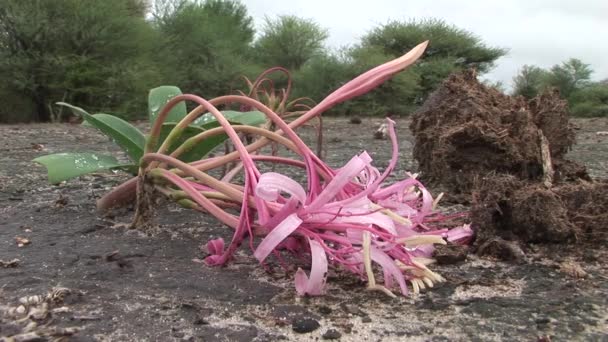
{"points": [[506, 157]]}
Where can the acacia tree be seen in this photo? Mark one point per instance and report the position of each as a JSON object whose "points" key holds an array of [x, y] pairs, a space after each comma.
{"points": [[450, 49], [289, 41], [569, 76], [529, 81], [203, 44], [86, 52]]}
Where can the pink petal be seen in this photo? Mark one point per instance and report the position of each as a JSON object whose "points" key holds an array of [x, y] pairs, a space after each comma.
{"points": [[396, 188], [389, 266], [271, 184], [342, 178], [286, 210], [276, 236], [377, 219], [315, 284], [427, 203], [425, 251], [215, 246], [460, 235]]}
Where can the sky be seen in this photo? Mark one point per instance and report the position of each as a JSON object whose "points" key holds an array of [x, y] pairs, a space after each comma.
{"points": [[538, 32]]}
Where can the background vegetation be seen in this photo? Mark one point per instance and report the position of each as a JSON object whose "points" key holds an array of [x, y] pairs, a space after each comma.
{"points": [[106, 55]]}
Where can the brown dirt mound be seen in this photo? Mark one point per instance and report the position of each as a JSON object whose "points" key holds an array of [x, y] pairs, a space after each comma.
{"points": [[508, 209], [506, 156], [466, 130]]}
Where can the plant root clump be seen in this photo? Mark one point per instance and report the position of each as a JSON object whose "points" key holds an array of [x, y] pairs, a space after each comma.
{"points": [[506, 157], [508, 209], [466, 130]]}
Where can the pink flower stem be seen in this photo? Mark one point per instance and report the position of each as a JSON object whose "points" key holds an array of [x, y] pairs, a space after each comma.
{"points": [[201, 200]]}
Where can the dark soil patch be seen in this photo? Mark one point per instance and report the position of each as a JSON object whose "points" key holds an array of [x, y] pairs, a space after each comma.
{"points": [[151, 290]]}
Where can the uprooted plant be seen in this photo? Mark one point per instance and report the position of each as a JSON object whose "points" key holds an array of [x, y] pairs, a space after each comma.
{"points": [[346, 217]]}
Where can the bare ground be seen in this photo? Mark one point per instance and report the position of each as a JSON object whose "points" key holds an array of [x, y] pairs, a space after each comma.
{"points": [[153, 291]]}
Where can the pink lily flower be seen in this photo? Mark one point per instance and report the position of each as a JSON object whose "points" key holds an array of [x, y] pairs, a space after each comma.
{"points": [[347, 217], [334, 219]]}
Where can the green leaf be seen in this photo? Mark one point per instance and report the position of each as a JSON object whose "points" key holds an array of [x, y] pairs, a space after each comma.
{"points": [[158, 97], [64, 166], [253, 118], [201, 149], [125, 135]]}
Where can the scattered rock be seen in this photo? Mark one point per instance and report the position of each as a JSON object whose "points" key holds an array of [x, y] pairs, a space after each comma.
{"points": [[325, 310], [542, 320], [304, 325], [347, 327], [355, 120], [366, 319], [9, 264], [37, 147], [502, 250], [200, 321], [61, 202], [572, 269], [382, 132], [450, 254], [353, 309], [21, 241], [331, 334]]}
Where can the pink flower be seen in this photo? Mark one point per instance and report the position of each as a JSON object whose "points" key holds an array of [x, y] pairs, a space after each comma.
{"points": [[336, 215]]}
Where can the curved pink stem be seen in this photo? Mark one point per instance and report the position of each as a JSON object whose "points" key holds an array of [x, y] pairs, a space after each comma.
{"points": [[201, 200]]}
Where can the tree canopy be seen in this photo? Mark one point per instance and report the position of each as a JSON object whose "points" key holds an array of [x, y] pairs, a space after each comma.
{"points": [[89, 52], [106, 55], [529, 81], [203, 45], [569, 76], [289, 41], [573, 80]]}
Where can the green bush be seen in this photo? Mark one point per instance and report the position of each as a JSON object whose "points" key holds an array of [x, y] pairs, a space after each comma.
{"points": [[590, 101], [204, 46], [87, 52], [16, 107], [589, 109]]}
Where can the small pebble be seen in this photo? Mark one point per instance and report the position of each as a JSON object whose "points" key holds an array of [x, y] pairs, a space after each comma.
{"points": [[331, 334], [543, 320], [324, 310], [304, 325]]}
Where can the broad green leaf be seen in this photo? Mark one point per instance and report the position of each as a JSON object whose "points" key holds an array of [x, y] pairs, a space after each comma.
{"points": [[125, 135], [201, 149], [64, 166], [253, 118], [158, 97]]}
